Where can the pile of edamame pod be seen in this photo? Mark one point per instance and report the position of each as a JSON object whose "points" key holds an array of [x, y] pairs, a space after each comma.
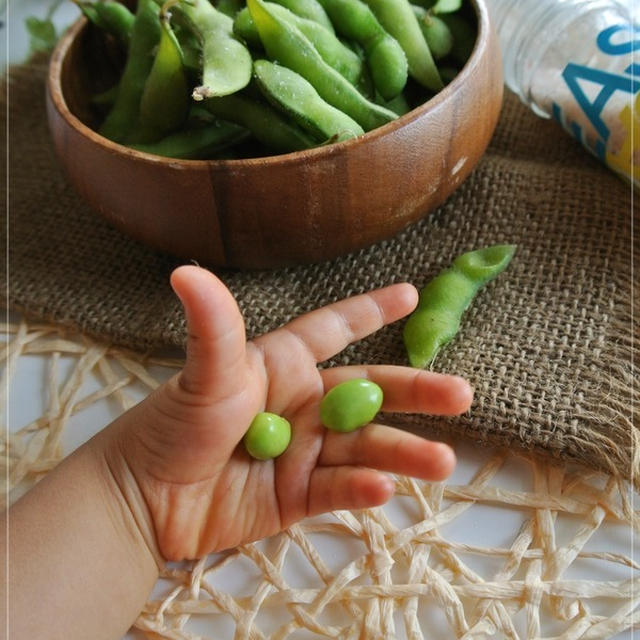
{"points": [[232, 78]]}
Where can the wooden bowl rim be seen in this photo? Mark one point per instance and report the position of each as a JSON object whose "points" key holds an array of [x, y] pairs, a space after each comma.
{"points": [[58, 99]]}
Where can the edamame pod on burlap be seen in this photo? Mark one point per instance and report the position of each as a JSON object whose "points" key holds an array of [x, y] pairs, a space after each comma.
{"points": [[442, 301]]}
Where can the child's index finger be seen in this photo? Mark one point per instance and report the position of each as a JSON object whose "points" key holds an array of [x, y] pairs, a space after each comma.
{"points": [[328, 330]]}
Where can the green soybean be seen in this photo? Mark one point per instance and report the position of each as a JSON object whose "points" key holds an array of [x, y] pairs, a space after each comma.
{"points": [[262, 120], [145, 36], [290, 47], [226, 62], [435, 32], [268, 436], [289, 91], [165, 101], [350, 405], [199, 143], [398, 19], [442, 301], [386, 59], [331, 49]]}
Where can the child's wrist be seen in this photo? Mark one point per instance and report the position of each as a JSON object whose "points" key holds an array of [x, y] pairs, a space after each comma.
{"points": [[135, 519]]}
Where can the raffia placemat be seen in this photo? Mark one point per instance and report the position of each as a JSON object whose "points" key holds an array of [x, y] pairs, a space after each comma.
{"points": [[560, 564], [549, 346]]}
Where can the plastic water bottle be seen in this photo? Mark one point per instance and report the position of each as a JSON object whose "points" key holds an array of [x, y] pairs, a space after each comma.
{"points": [[578, 61]]}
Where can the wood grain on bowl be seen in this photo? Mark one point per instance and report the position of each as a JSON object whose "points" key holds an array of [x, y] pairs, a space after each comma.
{"points": [[274, 211]]}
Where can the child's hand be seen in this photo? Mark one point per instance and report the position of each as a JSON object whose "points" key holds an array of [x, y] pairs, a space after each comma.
{"points": [[203, 492]]}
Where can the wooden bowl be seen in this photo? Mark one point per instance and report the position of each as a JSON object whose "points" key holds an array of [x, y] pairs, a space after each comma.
{"points": [[280, 210]]}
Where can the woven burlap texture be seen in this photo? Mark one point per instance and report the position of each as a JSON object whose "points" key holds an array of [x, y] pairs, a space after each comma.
{"points": [[548, 346]]}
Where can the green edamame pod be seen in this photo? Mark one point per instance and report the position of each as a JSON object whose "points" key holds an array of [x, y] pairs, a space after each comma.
{"points": [[290, 92], [105, 98], [309, 9], [333, 51], [229, 7], [464, 36], [226, 62], [386, 59], [446, 6], [286, 44], [442, 301], [398, 19], [145, 35], [262, 120], [244, 27], [191, 49], [165, 102], [398, 104], [435, 32], [196, 144], [110, 16]]}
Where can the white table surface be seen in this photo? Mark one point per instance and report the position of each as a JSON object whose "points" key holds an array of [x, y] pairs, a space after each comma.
{"points": [[485, 524]]}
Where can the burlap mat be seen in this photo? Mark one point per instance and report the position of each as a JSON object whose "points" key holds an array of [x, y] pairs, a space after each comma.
{"points": [[549, 346]]}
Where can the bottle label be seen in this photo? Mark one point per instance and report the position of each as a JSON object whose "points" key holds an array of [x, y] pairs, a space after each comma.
{"points": [[603, 112]]}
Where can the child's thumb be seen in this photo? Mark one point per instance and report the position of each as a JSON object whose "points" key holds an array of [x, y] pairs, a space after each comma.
{"points": [[216, 339]]}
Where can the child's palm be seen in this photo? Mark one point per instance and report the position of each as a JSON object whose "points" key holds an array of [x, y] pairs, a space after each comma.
{"points": [[203, 492]]}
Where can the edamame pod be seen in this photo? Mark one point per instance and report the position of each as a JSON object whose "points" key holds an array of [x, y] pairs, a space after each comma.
{"points": [[446, 6], [333, 52], [262, 120], [229, 7], [398, 19], [110, 16], [398, 104], [442, 301], [165, 102], [145, 35], [435, 32], [309, 9], [386, 59], [201, 143], [286, 44], [290, 92], [226, 62], [464, 36]]}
